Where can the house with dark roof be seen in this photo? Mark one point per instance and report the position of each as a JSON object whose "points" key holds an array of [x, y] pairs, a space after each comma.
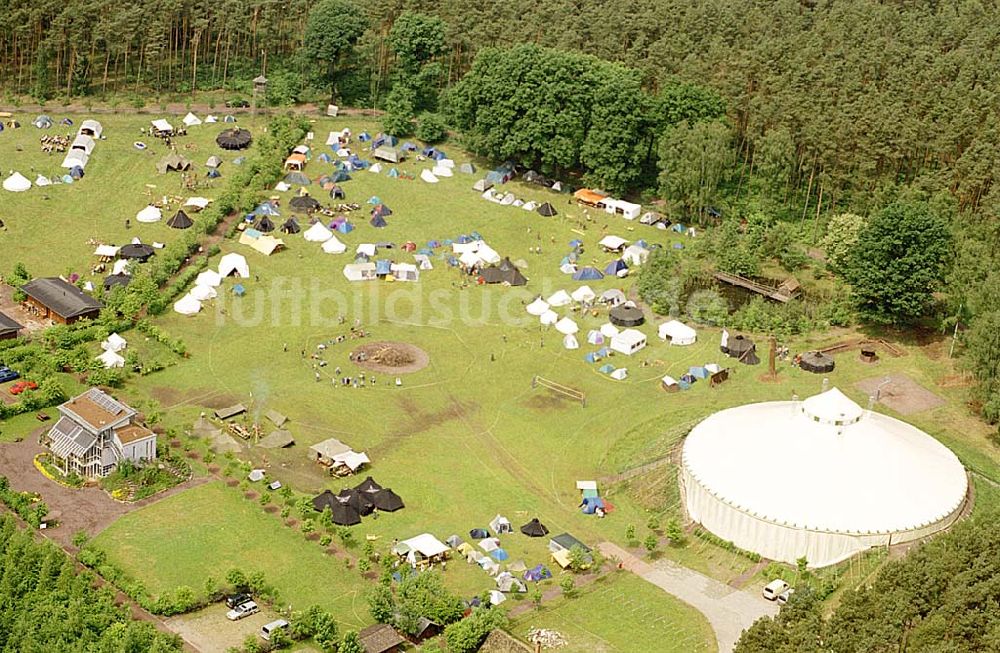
{"points": [[381, 638], [9, 328], [94, 433], [60, 301]]}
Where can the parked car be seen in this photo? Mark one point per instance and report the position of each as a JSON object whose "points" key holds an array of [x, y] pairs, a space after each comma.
{"points": [[7, 374], [238, 103], [21, 386], [774, 588], [242, 610], [785, 596], [234, 600], [267, 629]]}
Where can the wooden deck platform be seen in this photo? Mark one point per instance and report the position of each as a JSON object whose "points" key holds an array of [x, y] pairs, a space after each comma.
{"points": [[787, 291]]}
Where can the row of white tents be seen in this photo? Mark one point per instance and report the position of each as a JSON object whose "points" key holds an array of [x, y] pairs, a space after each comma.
{"points": [[77, 156], [206, 283]]}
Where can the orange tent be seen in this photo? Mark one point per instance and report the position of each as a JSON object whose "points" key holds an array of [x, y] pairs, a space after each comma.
{"points": [[295, 162], [587, 196]]}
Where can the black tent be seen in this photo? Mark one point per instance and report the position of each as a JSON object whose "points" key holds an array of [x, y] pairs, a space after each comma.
{"points": [[478, 534], [234, 139], [264, 225], [361, 502], [535, 528], [116, 280], [291, 226], [368, 485], [626, 316], [304, 203], [492, 274], [547, 210], [140, 253], [344, 514], [326, 499], [180, 220], [387, 501], [512, 275], [816, 362], [742, 349], [337, 193]]}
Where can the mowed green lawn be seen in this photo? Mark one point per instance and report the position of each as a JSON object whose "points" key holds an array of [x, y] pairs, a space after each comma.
{"points": [[211, 529], [622, 613], [467, 437], [56, 222]]}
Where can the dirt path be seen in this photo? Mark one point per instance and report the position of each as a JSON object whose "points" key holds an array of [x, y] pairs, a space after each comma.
{"points": [[730, 611]]}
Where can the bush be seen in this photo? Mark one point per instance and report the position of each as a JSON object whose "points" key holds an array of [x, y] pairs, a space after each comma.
{"points": [[431, 128]]}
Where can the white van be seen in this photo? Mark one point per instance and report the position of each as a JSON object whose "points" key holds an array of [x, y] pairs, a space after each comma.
{"points": [[267, 629], [785, 596], [774, 588]]}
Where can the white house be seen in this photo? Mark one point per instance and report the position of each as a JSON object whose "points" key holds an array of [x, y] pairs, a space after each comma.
{"points": [[94, 433]]}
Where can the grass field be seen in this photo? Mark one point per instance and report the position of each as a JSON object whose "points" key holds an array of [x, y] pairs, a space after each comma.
{"points": [[461, 440], [622, 613]]}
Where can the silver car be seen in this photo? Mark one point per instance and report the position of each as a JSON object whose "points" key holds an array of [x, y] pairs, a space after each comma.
{"points": [[242, 610]]}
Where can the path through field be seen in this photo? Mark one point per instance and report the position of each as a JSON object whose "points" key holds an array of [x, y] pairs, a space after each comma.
{"points": [[729, 610]]}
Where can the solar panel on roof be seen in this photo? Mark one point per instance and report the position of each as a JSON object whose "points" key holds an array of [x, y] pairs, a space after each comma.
{"points": [[106, 402]]}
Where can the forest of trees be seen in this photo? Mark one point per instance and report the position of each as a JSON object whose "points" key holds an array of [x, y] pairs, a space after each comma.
{"points": [[46, 606], [943, 596]]}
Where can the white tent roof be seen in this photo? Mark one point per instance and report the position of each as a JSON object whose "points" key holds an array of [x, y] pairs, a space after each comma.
{"points": [[570, 342], [567, 326], [442, 171], [559, 298], [233, 262], [635, 255], [93, 126], [334, 246], [191, 120], [368, 249], [84, 142], [425, 544], [208, 278], [567, 268], [353, 460], [120, 267], [211, 119], [204, 293], [609, 330], [843, 487], [620, 374], [612, 242], [359, 271], [162, 125], [42, 180], [149, 214], [197, 202], [107, 250], [111, 359], [583, 294], [376, 168], [628, 341], [114, 343], [446, 163], [187, 305], [428, 176], [548, 317], [668, 380], [75, 158], [317, 233], [537, 307], [16, 183], [678, 332]]}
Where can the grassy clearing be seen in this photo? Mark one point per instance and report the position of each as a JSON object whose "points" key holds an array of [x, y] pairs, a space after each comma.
{"points": [[465, 438], [642, 618]]}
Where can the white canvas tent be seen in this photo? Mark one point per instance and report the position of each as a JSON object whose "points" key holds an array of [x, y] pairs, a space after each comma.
{"points": [[613, 243], [375, 168], [92, 128], [107, 251], [149, 214], [441, 171], [84, 143], [559, 298], [405, 272], [583, 294], [209, 278], [368, 249], [501, 525], [428, 176], [567, 326], [359, 271], [677, 332], [114, 343], [334, 246], [537, 307], [190, 120], [111, 359], [609, 330], [234, 264], [317, 233], [570, 342], [16, 183], [204, 293], [635, 255], [198, 203], [627, 210], [162, 125], [187, 305], [628, 341], [619, 374], [548, 318], [75, 158]]}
